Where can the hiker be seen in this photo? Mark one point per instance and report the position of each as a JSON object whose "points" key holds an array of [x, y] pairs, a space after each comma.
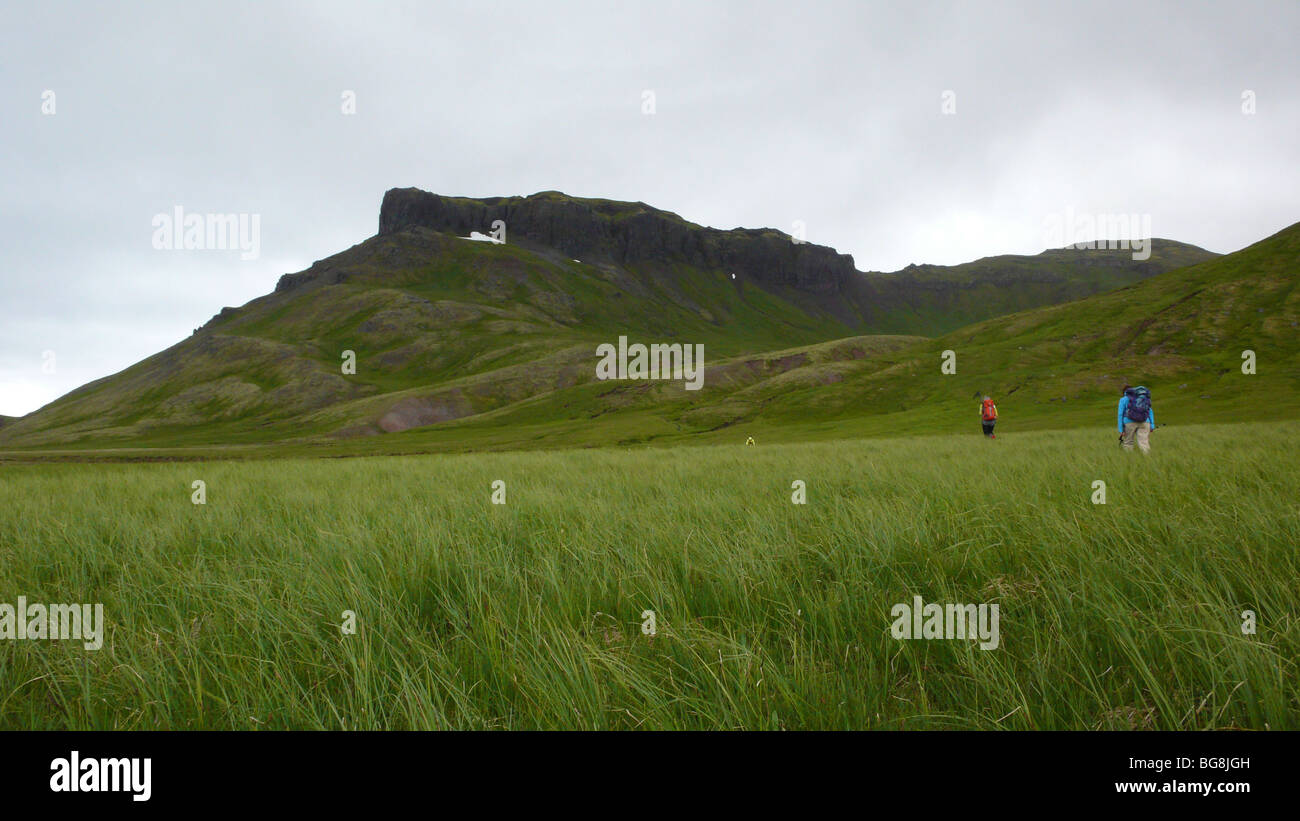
{"points": [[1136, 418], [988, 416]]}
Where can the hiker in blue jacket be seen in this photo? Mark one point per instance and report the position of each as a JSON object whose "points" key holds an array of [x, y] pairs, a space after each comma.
{"points": [[1136, 418]]}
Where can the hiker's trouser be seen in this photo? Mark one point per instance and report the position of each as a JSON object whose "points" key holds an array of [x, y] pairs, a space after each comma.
{"points": [[987, 426], [1139, 431]]}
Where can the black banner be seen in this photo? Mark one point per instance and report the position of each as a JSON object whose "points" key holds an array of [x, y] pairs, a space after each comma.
{"points": [[146, 771]]}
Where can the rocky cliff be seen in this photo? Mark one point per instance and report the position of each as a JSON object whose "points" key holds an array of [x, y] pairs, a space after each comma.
{"points": [[625, 234]]}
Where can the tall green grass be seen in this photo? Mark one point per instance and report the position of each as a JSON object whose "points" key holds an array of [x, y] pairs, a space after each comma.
{"points": [[770, 615]]}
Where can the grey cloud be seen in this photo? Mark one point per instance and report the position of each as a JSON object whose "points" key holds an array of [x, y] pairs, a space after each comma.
{"points": [[825, 112]]}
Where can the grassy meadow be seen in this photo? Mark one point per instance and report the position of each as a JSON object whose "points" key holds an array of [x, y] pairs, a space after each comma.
{"points": [[769, 615]]}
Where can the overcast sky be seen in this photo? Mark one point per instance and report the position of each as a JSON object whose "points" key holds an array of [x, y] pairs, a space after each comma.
{"points": [[832, 114]]}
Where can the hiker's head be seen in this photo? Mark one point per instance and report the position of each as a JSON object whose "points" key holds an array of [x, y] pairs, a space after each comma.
{"points": [[986, 398], [1126, 388]]}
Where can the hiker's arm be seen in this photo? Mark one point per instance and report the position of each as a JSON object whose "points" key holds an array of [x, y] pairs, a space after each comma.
{"points": [[1122, 403], [1151, 417]]}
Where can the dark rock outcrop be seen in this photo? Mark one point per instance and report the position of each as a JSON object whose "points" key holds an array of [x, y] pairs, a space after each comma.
{"points": [[625, 234], [633, 235]]}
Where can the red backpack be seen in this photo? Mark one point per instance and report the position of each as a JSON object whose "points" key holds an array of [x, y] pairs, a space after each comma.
{"points": [[990, 410]]}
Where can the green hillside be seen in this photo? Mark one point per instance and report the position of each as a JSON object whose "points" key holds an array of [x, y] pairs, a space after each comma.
{"points": [[936, 299], [461, 344], [1181, 333], [473, 325]]}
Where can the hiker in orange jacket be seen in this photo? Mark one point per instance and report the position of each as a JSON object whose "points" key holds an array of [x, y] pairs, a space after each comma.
{"points": [[988, 416]]}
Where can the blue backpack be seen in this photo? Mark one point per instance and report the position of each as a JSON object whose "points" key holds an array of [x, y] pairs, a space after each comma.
{"points": [[1139, 404]]}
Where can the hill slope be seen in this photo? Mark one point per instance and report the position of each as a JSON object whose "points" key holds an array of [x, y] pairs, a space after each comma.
{"points": [[937, 299], [445, 329], [1182, 333]]}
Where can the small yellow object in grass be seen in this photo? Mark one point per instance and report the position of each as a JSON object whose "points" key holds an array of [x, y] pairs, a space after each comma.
{"points": [[749, 441]]}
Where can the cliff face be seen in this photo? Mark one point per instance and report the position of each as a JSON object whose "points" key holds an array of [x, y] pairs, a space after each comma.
{"points": [[930, 299], [625, 234]]}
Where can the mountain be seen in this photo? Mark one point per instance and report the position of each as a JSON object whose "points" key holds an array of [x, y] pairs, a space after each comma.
{"points": [[444, 328], [919, 299], [1182, 333]]}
